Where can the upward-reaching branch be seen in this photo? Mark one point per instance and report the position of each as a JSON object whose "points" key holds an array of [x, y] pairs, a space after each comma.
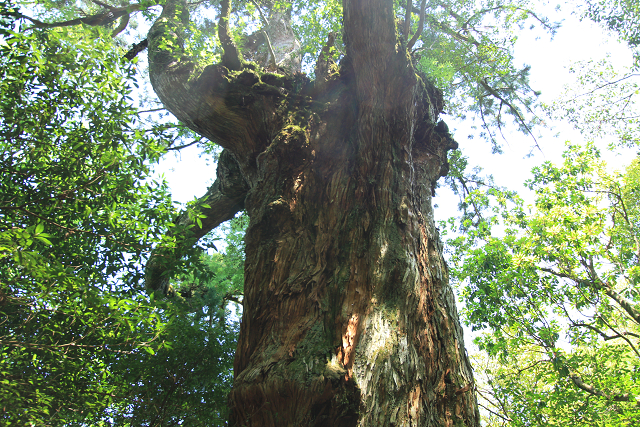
{"points": [[231, 56], [619, 397], [266, 35], [416, 36], [370, 39], [407, 18]]}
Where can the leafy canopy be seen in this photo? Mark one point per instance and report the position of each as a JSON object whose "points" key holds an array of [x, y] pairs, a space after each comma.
{"points": [[556, 290], [80, 343]]}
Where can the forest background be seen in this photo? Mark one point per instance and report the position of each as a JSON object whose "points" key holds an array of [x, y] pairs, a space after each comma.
{"points": [[551, 289]]}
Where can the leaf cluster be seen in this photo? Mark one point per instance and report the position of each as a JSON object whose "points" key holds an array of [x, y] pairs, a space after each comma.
{"points": [[619, 16]]}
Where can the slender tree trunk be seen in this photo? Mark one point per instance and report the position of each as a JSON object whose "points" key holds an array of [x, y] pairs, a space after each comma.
{"points": [[349, 319]]}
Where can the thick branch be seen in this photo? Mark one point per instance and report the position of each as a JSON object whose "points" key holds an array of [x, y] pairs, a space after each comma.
{"points": [[124, 21], [265, 22], [136, 48], [407, 18], [626, 305], [416, 36], [105, 17], [225, 198], [230, 57], [198, 95], [370, 39]]}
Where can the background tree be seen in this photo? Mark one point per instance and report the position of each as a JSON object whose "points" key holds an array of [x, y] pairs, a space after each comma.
{"points": [[69, 225], [548, 355], [558, 295], [619, 16], [80, 343]]}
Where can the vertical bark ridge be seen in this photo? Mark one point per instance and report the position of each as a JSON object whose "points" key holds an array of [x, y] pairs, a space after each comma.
{"points": [[405, 320]]}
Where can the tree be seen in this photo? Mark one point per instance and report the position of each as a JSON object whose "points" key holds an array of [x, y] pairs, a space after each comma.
{"points": [[348, 317], [565, 353], [558, 296], [75, 214], [618, 16]]}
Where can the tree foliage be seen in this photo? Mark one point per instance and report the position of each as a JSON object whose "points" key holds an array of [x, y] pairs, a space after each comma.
{"points": [[465, 47], [84, 210], [556, 289], [620, 16], [79, 342], [603, 103]]}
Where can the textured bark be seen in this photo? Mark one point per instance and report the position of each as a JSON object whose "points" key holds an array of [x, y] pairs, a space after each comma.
{"points": [[348, 316]]}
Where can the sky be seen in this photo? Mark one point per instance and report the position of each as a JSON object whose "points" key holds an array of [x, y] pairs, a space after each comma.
{"points": [[550, 59]]}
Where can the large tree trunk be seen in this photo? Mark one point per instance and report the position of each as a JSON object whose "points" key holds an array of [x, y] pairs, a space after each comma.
{"points": [[348, 315]]}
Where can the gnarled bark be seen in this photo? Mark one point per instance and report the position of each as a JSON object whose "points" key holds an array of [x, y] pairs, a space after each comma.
{"points": [[348, 316]]}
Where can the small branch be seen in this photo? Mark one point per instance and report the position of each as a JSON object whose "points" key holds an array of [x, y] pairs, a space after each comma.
{"points": [[180, 147], [231, 297], [531, 366], [605, 337], [153, 110], [621, 335], [513, 109], [621, 397], [502, 417], [136, 49], [626, 305], [106, 17], [124, 21], [473, 202], [448, 30], [605, 85], [416, 36]]}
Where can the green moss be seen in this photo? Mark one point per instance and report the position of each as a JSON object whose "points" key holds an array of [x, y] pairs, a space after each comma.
{"points": [[333, 370], [266, 89], [311, 355], [294, 134], [273, 79], [383, 353]]}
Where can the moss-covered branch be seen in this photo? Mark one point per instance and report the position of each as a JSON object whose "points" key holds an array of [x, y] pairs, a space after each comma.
{"points": [[107, 16], [166, 37], [231, 56]]}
